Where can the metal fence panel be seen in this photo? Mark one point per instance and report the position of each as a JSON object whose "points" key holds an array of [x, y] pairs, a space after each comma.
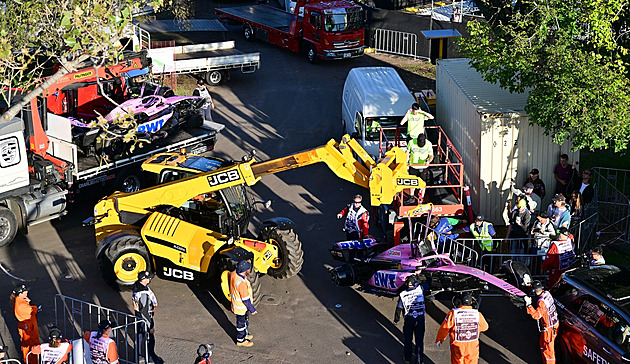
{"points": [[396, 42], [73, 317]]}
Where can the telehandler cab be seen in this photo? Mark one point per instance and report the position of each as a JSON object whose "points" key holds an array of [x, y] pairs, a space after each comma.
{"points": [[192, 225]]}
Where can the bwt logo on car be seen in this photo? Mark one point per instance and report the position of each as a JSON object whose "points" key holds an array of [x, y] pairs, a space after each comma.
{"points": [[224, 177], [151, 126], [384, 280]]}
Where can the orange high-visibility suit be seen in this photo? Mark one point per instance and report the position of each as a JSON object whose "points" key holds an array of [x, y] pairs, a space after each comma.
{"points": [[27, 326], [545, 313], [464, 324]]}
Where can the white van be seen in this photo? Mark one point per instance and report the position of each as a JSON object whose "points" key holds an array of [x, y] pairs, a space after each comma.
{"points": [[373, 94]]}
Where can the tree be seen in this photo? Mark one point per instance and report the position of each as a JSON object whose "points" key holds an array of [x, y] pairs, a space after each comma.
{"points": [[71, 34], [572, 57]]}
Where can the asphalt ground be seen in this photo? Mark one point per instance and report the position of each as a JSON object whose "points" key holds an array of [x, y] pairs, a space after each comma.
{"points": [[286, 106]]}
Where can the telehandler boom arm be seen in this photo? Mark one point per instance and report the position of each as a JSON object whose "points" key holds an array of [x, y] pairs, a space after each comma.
{"points": [[384, 179]]}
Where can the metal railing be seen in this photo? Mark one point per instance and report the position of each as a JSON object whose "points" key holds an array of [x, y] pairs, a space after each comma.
{"points": [[74, 317], [9, 361], [612, 203], [396, 42]]}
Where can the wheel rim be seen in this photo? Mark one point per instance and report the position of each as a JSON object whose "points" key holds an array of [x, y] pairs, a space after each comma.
{"points": [[128, 266], [279, 261], [130, 184], [215, 77], [5, 228], [248, 33], [311, 54], [225, 284]]}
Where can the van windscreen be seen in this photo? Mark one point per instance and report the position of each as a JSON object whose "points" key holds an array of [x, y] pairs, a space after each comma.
{"points": [[374, 125]]}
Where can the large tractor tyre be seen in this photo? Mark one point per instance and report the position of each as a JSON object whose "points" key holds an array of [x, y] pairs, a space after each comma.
{"points": [[8, 226], [291, 255], [124, 259], [223, 282]]}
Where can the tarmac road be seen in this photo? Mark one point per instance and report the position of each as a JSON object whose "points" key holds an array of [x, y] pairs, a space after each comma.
{"points": [[286, 106]]}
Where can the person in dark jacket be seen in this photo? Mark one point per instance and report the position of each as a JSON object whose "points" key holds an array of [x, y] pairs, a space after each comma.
{"points": [[144, 304], [585, 187], [411, 304], [539, 185]]}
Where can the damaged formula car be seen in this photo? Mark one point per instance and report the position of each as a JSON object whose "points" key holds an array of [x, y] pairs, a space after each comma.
{"points": [[153, 118], [382, 270]]}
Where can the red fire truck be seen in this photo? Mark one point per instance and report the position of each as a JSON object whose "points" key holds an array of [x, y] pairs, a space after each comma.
{"points": [[321, 30]]}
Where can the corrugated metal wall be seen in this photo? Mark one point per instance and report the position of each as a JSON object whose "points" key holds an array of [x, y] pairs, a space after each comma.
{"points": [[494, 149]]}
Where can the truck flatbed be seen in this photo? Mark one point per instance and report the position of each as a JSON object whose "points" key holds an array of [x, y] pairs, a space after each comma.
{"points": [[262, 14]]}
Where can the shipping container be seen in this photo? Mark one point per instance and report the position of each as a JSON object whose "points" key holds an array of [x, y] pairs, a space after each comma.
{"points": [[491, 130]]}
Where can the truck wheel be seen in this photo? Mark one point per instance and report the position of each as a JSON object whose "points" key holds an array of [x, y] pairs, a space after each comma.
{"points": [[291, 256], [124, 259], [248, 32], [215, 78], [225, 267], [8, 226], [312, 54], [130, 180]]}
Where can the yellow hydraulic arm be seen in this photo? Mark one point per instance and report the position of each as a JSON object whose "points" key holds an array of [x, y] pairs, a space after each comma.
{"points": [[384, 179]]}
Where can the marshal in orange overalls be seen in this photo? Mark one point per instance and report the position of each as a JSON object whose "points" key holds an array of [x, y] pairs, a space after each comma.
{"points": [[545, 313], [464, 325], [27, 326]]}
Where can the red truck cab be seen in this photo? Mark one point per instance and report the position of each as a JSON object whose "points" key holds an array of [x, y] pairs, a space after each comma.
{"points": [[334, 29], [321, 30]]}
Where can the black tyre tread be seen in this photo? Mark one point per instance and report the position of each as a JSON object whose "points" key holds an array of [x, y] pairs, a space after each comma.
{"points": [[121, 245], [253, 277], [290, 247], [13, 226]]}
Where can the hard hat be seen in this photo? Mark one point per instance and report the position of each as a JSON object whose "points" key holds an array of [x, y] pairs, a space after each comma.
{"points": [[522, 203], [145, 275], [20, 288]]}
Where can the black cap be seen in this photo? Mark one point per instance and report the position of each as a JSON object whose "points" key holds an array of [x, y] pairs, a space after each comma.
{"points": [[467, 299], [204, 350], [544, 215], [564, 231], [558, 197], [243, 266], [537, 285], [20, 288], [106, 324], [200, 82], [534, 171], [54, 333], [145, 275], [479, 218]]}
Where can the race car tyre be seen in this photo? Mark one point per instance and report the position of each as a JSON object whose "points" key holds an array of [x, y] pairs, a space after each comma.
{"points": [[223, 281], [124, 259], [248, 32], [8, 226], [194, 121], [290, 253], [215, 78]]}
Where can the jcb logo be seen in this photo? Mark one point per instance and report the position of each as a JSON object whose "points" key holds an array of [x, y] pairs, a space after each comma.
{"points": [[224, 177], [406, 182], [179, 274]]}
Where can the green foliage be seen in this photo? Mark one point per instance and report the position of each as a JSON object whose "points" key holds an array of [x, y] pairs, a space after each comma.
{"points": [[572, 57], [40, 38]]}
